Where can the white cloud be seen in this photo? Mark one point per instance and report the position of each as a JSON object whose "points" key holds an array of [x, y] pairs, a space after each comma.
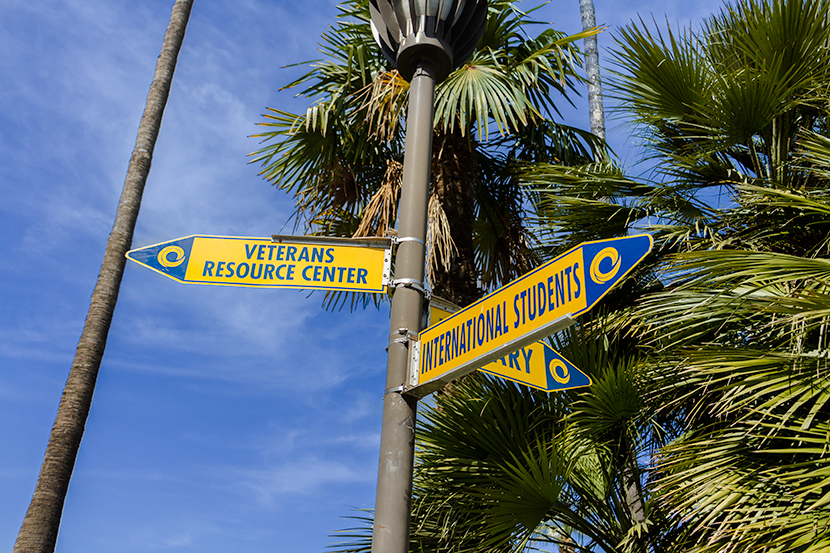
{"points": [[301, 477]]}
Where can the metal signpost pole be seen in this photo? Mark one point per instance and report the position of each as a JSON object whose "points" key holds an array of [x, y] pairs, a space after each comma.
{"points": [[397, 440], [425, 40]]}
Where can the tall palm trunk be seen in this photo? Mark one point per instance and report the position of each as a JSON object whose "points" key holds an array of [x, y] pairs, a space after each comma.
{"points": [[39, 531], [597, 116], [630, 474]]}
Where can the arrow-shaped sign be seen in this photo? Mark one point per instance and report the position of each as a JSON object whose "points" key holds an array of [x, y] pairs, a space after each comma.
{"points": [[531, 307], [537, 365], [308, 262]]}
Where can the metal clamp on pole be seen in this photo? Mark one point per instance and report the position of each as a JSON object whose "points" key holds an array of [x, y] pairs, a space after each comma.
{"points": [[402, 336], [400, 239], [395, 390], [408, 283]]}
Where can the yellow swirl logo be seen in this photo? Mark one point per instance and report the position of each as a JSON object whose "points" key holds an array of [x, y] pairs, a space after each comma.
{"points": [[555, 366], [596, 273], [166, 253]]}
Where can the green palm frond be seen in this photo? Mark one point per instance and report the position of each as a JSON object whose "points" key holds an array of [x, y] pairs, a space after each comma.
{"points": [[511, 78], [769, 217], [334, 158], [504, 245], [737, 297], [504, 460], [727, 380], [735, 93], [357, 539], [598, 201], [814, 154], [548, 141], [470, 96], [662, 77], [755, 467], [716, 269]]}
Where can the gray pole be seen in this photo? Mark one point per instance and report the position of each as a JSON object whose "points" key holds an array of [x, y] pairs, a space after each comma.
{"points": [[397, 438]]}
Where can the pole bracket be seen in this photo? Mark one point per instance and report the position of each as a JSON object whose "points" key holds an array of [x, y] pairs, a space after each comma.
{"points": [[408, 283], [400, 239], [395, 390], [402, 336]]}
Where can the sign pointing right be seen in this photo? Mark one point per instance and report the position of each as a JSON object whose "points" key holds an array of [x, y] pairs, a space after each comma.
{"points": [[531, 307], [538, 366]]}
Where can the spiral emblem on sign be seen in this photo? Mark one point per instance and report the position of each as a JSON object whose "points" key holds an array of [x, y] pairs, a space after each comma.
{"points": [[554, 368], [164, 256], [597, 275]]}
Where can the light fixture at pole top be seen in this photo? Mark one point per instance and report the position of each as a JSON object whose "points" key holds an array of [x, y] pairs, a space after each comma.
{"points": [[443, 32]]}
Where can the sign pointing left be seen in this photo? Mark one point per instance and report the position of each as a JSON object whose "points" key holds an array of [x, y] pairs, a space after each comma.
{"points": [[307, 262]]}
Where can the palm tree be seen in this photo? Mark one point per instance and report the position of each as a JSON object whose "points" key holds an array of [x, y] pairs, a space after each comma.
{"points": [[736, 118], [39, 531], [342, 158], [745, 316], [734, 348], [504, 468]]}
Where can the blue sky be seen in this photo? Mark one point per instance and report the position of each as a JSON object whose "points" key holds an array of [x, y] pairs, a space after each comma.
{"points": [[225, 419]]}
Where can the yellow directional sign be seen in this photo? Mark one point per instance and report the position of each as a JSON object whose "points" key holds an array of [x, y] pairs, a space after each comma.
{"points": [[440, 309], [308, 262], [531, 307], [537, 365]]}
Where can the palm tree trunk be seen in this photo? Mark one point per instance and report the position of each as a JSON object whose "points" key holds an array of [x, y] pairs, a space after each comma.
{"points": [[39, 531], [630, 474], [454, 174], [597, 116], [633, 488]]}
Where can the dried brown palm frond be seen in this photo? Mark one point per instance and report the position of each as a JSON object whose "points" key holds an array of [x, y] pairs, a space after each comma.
{"points": [[382, 105], [440, 245], [336, 186], [382, 210]]}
